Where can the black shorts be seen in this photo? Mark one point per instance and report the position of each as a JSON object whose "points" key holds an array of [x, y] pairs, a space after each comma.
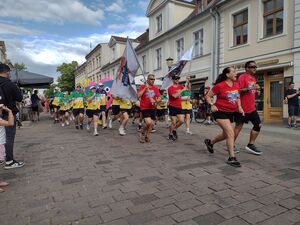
{"points": [[62, 112], [293, 110], [115, 109], [90, 112], [224, 115], [187, 111], [128, 111], [149, 113], [253, 117], [161, 112], [136, 109], [102, 108], [34, 108], [175, 111], [76, 112]]}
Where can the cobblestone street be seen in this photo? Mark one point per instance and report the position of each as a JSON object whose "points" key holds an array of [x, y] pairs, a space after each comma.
{"points": [[72, 177]]}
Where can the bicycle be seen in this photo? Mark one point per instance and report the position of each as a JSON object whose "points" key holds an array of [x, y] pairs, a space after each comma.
{"points": [[202, 113]]}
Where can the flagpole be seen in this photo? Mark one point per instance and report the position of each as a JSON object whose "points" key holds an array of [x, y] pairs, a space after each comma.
{"points": [[142, 69]]}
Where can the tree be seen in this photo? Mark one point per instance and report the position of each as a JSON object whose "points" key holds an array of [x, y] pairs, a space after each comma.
{"points": [[19, 66], [67, 79]]}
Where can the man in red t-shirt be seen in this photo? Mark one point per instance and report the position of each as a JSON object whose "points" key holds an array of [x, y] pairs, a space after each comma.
{"points": [[175, 108], [249, 89], [149, 96]]}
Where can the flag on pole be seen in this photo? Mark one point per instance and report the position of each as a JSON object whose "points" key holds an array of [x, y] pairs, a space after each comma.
{"points": [[177, 69], [124, 86]]}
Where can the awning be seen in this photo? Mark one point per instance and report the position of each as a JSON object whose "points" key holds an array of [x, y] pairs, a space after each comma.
{"points": [[30, 80]]}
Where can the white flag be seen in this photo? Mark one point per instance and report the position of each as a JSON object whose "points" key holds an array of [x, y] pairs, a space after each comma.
{"points": [[177, 69], [124, 86]]}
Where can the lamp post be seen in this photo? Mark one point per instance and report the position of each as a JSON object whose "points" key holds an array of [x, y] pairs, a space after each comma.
{"points": [[169, 62]]}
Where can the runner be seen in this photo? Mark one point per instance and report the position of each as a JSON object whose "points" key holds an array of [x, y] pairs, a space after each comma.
{"points": [[150, 96], [125, 109], [103, 96], [162, 108], [175, 108], [115, 112], [55, 103], [249, 89], [65, 106], [78, 106], [227, 105], [187, 105], [93, 109]]}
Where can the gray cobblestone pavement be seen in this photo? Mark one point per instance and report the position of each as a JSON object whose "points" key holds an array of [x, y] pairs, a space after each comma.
{"points": [[71, 177]]}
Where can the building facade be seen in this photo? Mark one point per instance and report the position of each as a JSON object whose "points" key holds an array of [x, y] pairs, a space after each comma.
{"points": [[3, 58], [80, 74]]}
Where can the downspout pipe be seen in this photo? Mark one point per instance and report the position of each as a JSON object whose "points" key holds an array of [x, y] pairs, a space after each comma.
{"points": [[213, 55]]}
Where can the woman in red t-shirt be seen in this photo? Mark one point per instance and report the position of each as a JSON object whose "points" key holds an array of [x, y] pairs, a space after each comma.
{"points": [[227, 104]]}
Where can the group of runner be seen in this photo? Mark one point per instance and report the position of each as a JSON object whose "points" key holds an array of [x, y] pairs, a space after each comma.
{"points": [[235, 101]]}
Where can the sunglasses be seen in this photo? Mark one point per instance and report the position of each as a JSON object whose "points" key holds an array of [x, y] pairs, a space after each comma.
{"points": [[152, 79], [176, 78], [252, 67]]}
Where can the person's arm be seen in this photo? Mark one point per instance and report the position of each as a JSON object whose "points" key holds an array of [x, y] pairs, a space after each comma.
{"points": [[208, 98], [89, 99], [241, 110], [178, 93], [141, 91], [10, 121], [293, 95]]}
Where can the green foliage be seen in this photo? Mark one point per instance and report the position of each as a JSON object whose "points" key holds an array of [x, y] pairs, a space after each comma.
{"points": [[19, 66], [67, 79]]}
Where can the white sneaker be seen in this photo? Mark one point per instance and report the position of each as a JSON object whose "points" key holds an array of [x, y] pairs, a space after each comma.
{"points": [[122, 131], [63, 124], [109, 123], [96, 133], [67, 123], [88, 127], [189, 132]]}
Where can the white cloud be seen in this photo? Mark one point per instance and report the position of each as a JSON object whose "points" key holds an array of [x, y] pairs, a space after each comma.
{"points": [[54, 11], [15, 30], [116, 7], [143, 4], [134, 23]]}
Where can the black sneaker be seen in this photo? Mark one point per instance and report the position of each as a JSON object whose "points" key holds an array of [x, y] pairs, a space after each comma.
{"points": [[171, 137], [232, 161], [209, 145], [77, 127], [13, 164], [252, 148], [175, 134], [81, 126]]}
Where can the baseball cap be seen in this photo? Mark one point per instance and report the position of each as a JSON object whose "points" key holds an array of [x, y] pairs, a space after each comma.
{"points": [[92, 87], [101, 84]]}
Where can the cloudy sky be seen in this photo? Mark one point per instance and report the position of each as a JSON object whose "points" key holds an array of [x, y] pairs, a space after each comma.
{"points": [[45, 33]]}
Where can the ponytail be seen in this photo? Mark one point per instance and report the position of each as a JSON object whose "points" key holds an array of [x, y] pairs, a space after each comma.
{"points": [[223, 76]]}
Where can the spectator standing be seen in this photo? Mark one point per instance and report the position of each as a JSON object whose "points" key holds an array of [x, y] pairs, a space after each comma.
{"points": [[10, 94], [35, 101], [293, 104]]}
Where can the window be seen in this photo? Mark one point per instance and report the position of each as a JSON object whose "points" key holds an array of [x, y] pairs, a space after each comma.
{"points": [[158, 58], [179, 48], [240, 28], [198, 42], [144, 63], [113, 53], [273, 17], [159, 23]]}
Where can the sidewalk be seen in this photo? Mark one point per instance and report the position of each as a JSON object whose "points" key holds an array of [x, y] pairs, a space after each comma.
{"points": [[74, 178]]}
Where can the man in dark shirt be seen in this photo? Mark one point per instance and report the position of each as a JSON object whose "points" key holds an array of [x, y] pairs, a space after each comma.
{"points": [[293, 104], [35, 101], [10, 94]]}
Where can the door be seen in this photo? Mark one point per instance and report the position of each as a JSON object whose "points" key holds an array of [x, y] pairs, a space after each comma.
{"points": [[273, 95]]}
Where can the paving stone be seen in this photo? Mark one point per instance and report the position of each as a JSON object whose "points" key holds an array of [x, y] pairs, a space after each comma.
{"points": [[144, 199], [254, 217], [272, 210], [234, 221], [150, 179], [207, 208], [251, 205], [113, 215], [209, 219], [289, 203], [184, 215], [165, 211], [187, 204], [72, 181], [230, 212], [162, 221], [140, 218], [289, 174], [117, 181]]}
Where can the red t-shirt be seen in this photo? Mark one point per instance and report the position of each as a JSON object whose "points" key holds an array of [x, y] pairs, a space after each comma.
{"points": [[248, 99], [175, 102], [145, 102], [227, 97]]}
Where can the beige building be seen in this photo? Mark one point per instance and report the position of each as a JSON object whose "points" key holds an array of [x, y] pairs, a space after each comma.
{"points": [[80, 74], [3, 58], [264, 31]]}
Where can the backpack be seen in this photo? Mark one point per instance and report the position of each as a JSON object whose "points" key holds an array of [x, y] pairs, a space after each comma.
{"points": [[2, 94]]}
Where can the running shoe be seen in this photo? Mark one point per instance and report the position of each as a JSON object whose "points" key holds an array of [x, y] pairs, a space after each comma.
{"points": [[13, 164], [232, 161], [67, 123], [81, 126], [63, 124], [153, 130], [77, 127], [209, 145], [96, 133], [110, 123], [122, 131], [189, 132], [171, 137], [252, 149]]}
